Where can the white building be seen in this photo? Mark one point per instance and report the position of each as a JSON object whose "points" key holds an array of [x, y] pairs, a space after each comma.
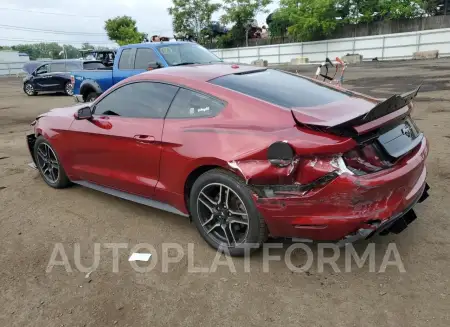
{"points": [[11, 62]]}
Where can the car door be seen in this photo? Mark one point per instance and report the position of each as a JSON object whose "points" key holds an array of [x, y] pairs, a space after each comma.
{"points": [[41, 78], [57, 77], [125, 67], [135, 61], [120, 147]]}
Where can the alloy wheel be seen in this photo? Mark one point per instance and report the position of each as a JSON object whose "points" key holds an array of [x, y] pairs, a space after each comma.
{"points": [[29, 89], [69, 89], [222, 214], [48, 163]]}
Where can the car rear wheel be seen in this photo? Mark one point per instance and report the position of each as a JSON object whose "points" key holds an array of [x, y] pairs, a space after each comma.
{"points": [[49, 164], [225, 214], [91, 97], [28, 88], [68, 88]]}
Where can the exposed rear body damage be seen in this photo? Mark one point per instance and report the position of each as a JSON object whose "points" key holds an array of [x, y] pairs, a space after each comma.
{"points": [[376, 177]]}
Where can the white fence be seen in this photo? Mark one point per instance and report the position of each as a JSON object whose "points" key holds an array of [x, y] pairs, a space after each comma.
{"points": [[11, 68], [387, 47]]}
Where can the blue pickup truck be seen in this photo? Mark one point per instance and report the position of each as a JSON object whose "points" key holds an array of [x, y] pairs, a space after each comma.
{"points": [[137, 58]]}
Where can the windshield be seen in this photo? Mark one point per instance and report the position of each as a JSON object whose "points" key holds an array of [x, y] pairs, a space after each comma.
{"points": [[186, 53]]}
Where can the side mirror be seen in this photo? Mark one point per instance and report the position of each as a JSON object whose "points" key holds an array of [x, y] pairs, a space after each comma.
{"points": [[154, 65], [33, 73], [83, 113]]}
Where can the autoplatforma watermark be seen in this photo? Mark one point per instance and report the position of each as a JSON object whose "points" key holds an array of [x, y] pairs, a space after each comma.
{"points": [[313, 256]]}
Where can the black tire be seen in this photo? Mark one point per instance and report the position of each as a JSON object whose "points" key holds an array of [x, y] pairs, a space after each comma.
{"points": [[91, 97], [68, 89], [256, 233], [28, 88], [62, 181]]}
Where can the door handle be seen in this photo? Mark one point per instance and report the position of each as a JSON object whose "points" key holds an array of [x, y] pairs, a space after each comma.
{"points": [[144, 138]]}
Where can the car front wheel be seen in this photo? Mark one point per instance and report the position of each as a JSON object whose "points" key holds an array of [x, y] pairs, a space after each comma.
{"points": [[28, 88], [225, 214], [68, 89], [49, 165]]}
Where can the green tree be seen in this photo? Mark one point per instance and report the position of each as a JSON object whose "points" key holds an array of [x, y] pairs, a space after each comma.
{"points": [[241, 13], [401, 9], [87, 46], [191, 17], [311, 19], [278, 24], [123, 30], [71, 51]]}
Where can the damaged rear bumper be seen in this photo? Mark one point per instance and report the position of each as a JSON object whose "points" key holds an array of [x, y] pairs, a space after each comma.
{"points": [[350, 207], [395, 225]]}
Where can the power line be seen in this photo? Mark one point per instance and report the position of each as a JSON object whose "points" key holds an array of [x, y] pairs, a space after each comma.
{"points": [[57, 41], [30, 29], [51, 13]]}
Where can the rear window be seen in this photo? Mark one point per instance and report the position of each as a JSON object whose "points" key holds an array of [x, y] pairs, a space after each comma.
{"points": [[280, 88], [93, 65]]}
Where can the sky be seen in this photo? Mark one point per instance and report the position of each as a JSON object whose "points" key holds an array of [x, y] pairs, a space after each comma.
{"points": [[30, 21]]}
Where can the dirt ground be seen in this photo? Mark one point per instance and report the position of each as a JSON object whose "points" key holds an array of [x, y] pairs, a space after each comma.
{"points": [[34, 217]]}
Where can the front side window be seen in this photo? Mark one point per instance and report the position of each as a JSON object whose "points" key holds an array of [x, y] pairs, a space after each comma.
{"points": [[190, 104], [144, 57], [42, 70], [186, 53], [138, 100]]}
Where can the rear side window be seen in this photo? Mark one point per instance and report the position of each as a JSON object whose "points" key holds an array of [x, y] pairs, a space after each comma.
{"points": [[74, 66], [144, 57], [127, 59], [57, 68], [281, 88], [190, 104]]}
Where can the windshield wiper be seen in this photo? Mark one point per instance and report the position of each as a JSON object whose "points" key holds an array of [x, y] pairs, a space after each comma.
{"points": [[186, 63]]}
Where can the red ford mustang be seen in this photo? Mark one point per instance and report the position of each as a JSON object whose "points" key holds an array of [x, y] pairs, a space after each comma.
{"points": [[246, 152]]}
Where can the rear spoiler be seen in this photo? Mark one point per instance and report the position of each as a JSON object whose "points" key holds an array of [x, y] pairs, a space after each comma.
{"points": [[382, 109]]}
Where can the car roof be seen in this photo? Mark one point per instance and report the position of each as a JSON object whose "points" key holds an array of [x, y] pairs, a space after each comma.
{"points": [[152, 44], [201, 73], [31, 66]]}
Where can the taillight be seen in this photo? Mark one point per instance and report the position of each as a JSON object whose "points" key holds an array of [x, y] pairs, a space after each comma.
{"points": [[366, 159], [315, 168]]}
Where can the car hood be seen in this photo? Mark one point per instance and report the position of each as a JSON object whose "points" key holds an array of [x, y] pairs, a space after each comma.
{"points": [[65, 111], [31, 66], [334, 113]]}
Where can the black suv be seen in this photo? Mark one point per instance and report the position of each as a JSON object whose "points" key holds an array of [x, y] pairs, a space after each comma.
{"points": [[54, 76]]}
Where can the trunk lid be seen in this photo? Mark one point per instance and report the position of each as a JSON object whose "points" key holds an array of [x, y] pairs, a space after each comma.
{"points": [[355, 115], [384, 130]]}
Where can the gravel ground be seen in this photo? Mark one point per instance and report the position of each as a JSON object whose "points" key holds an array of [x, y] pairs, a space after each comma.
{"points": [[34, 217]]}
